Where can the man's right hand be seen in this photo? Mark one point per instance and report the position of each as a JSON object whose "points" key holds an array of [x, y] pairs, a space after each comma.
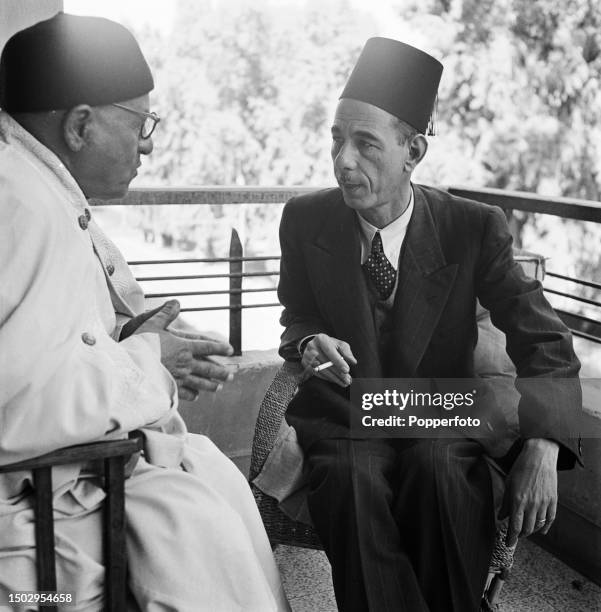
{"points": [[187, 358], [324, 348]]}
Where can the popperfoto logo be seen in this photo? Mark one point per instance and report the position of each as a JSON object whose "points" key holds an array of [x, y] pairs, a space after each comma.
{"points": [[449, 408], [419, 407], [424, 400]]}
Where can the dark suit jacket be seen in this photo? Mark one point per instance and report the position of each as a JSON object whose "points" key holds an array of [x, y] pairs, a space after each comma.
{"points": [[455, 251]]}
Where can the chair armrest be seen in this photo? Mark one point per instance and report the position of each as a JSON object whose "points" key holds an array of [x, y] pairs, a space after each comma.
{"points": [[271, 413], [79, 453]]}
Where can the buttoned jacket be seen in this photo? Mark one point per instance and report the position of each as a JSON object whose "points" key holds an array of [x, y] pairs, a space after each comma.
{"points": [[455, 251]]}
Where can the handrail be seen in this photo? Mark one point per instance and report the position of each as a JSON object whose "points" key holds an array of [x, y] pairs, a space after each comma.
{"points": [[210, 195], [573, 280], [573, 297], [237, 351], [221, 292], [154, 262], [197, 276], [568, 208]]}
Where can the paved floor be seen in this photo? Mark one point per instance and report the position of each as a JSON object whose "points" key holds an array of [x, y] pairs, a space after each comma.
{"points": [[539, 583]]}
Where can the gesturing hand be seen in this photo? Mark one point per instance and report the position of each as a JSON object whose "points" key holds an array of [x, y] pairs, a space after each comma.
{"points": [[324, 348], [186, 356], [531, 490]]}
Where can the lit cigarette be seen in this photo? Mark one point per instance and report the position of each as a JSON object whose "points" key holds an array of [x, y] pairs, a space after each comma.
{"points": [[323, 366]]}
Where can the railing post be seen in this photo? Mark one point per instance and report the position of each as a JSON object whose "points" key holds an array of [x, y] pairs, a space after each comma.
{"points": [[236, 293]]}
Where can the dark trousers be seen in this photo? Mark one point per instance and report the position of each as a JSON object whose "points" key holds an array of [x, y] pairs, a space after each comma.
{"points": [[407, 525]]}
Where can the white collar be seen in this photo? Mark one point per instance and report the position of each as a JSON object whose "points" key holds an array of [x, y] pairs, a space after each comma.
{"points": [[41, 157], [393, 235]]}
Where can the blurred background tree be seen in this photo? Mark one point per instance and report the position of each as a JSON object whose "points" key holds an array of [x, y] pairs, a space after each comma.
{"points": [[247, 91]]}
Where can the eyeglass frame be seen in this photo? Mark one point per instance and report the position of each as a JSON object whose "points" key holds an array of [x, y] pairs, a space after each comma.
{"points": [[156, 119]]}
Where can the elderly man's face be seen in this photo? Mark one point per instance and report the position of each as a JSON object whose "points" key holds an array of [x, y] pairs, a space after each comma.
{"points": [[368, 157], [110, 162]]}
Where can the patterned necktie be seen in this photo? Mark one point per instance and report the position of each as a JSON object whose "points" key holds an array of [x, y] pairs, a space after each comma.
{"points": [[379, 269]]}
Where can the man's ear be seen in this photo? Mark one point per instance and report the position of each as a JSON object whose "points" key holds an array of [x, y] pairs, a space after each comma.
{"points": [[417, 150], [76, 127]]}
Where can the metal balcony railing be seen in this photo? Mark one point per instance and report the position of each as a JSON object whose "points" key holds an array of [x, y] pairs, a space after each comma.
{"points": [[580, 325], [588, 327]]}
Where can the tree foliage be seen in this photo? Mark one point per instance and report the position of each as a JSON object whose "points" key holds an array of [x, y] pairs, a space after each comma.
{"points": [[247, 92]]}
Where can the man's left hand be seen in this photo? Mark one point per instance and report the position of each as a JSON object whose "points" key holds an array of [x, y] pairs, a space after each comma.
{"points": [[531, 490]]}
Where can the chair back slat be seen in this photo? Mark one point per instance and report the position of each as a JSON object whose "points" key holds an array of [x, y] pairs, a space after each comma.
{"points": [[114, 453], [114, 540], [44, 531]]}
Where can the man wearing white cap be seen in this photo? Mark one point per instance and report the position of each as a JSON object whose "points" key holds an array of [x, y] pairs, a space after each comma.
{"points": [[379, 279], [74, 124]]}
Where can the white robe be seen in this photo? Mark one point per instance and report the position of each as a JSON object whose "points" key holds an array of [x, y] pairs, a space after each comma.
{"points": [[194, 537]]}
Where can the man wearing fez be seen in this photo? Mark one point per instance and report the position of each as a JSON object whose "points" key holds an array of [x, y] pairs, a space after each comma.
{"points": [[79, 361], [380, 277]]}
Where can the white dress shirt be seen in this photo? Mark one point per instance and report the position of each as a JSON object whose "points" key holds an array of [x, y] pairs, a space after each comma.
{"points": [[392, 235]]}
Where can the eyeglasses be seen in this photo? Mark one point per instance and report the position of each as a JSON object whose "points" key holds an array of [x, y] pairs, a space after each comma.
{"points": [[150, 120]]}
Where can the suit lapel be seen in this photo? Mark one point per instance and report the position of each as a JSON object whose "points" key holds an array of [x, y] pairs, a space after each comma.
{"points": [[335, 257], [425, 281]]}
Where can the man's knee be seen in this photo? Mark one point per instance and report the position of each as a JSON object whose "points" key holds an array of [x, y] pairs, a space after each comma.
{"points": [[439, 472], [330, 466], [431, 457], [346, 469], [423, 460]]}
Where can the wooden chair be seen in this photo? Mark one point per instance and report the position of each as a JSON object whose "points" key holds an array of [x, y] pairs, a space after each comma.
{"points": [[283, 530], [114, 455]]}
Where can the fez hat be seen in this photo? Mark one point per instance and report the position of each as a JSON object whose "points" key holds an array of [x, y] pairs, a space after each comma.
{"points": [[68, 60], [397, 78]]}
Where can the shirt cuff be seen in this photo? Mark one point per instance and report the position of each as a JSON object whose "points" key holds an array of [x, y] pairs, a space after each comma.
{"points": [[302, 344]]}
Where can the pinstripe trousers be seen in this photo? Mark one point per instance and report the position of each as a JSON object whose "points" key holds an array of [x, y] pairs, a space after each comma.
{"points": [[408, 525]]}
